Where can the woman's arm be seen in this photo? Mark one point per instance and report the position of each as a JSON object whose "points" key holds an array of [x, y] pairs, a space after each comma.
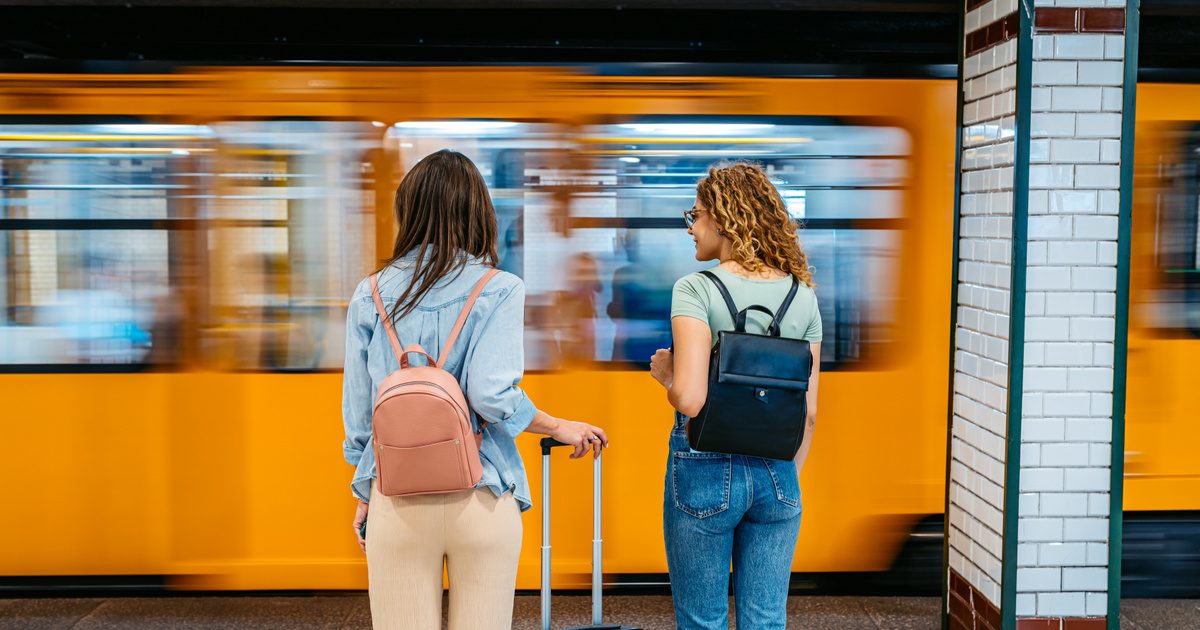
{"points": [[684, 372], [811, 419]]}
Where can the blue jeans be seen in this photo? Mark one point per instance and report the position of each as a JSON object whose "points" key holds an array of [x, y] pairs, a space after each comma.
{"points": [[721, 508]]}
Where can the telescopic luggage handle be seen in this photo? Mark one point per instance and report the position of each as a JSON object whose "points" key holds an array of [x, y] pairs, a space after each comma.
{"points": [[597, 544]]}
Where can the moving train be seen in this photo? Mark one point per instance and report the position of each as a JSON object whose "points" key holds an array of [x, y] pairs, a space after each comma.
{"points": [[177, 251]]}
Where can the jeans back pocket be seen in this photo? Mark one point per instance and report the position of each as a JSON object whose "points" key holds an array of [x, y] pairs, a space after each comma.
{"points": [[700, 482]]}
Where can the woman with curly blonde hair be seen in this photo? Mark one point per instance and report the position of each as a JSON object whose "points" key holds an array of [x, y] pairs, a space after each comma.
{"points": [[720, 508]]}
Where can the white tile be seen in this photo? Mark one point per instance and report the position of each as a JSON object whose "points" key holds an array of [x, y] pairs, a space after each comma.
{"points": [[1061, 604], [1039, 151], [1043, 46], [1075, 99], [1110, 151], [1096, 554], [1062, 503], [1027, 554], [1069, 354], [1101, 228], [1101, 72], [1079, 46], [1091, 329], [1048, 278], [1101, 405], [1056, 125], [1043, 379], [1067, 404], [1039, 529], [1114, 46], [1042, 480], [1041, 430], [1106, 303], [1026, 604], [1065, 454], [1055, 73], [1092, 278], [1097, 175], [1073, 253], [1098, 125], [1074, 151], [1072, 201], [1086, 479], [1086, 529], [1047, 328], [1100, 454], [1111, 99], [1098, 504], [1040, 579], [1051, 176], [1051, 226], [1035, 254], [1084, 579], [1090, 379], [1097, 604], [1057, 554], [1027, 504], [972, 22], [1039, 99], [1088, 429], [1102, 354], [1109, 201], [1039, 202]]}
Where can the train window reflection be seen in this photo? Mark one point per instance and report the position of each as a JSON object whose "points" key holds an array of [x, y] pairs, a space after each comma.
{"points": [[1176, 306], [292, 234], [91, 216], [627, 245]]}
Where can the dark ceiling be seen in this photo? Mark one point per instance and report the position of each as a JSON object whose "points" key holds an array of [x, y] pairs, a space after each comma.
{"points": [[877, 37]]}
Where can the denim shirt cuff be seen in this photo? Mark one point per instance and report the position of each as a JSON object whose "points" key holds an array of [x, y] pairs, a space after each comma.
{"points": [[520, 419]]}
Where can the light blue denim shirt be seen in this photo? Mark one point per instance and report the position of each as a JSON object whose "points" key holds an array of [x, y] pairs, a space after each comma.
{"points": [[488, 361]]}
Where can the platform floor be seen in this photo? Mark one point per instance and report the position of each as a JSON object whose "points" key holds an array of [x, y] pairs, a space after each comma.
{"points": [[350, 611]]}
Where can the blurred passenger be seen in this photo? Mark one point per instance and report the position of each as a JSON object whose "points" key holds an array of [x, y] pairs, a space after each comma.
{"points": [[640, 308], [577, 310], [445, 245], [720, 508]]}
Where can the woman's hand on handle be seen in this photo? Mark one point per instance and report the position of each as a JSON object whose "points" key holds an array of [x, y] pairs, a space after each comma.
{"points": [[581, 436], [360, 517]]}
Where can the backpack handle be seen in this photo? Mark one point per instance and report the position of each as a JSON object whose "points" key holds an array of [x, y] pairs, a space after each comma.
{"points": [[415, 349], [739, 317], [739, 321]]}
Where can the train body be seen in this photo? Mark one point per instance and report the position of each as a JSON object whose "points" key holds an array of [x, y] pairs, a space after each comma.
{"points": [[177, 251]]}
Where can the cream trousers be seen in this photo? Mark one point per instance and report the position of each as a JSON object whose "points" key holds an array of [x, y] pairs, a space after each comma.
{"points": [[478, 536]]}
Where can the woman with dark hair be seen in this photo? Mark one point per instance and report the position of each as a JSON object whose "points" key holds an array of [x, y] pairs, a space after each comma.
{"points": [[723, 509], [445, 245]]}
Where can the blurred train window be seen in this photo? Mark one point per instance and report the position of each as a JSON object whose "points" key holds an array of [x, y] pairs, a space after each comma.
{"points": [[1176, 306], [91, 216], [292, 234], [527, 169], [628, 244]]}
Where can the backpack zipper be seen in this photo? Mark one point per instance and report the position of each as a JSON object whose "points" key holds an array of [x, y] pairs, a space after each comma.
{"points": [[432, 384]]}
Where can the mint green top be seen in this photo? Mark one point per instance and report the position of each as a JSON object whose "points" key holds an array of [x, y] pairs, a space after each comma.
{"points": [[697, 297]]}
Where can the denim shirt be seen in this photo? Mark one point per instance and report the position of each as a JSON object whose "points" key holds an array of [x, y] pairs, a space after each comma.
{"points": [[487, 359]]}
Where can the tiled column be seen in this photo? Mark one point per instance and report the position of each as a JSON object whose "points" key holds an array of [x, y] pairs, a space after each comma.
{"points": [[1041, 285]]}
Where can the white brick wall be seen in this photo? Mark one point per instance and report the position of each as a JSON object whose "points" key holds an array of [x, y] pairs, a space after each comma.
{"points": [[1066, 428], [976, 518]]}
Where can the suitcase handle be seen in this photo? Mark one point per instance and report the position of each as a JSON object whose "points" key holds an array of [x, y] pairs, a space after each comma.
{"points": [[597, 542]]}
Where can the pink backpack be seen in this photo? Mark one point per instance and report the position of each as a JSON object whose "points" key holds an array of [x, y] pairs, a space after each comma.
{"points": [[424, 443]]}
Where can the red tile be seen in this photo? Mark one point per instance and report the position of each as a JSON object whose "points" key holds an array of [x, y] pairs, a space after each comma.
{"points": [[1102, 20], [1012, 26], [975, 4], [988, 612], [1055, 20], [1031, 623], [1089, 623]]}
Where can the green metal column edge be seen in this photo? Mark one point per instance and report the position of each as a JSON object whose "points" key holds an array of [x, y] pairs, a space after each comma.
{"points": [[1116, 516], [1016, 312], [958, 149]]}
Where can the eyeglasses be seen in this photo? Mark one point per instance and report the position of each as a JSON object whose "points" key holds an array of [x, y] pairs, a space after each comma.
{"points": [[689, 217]]}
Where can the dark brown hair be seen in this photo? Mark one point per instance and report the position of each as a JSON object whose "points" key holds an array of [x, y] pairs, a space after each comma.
{"points": [[443, 211]]}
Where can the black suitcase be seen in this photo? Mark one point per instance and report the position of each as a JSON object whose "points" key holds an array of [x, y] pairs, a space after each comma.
{"points": [[597, 546]]}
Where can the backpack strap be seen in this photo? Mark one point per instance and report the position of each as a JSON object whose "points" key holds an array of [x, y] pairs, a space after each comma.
{"points": [[733, 309], [739, 317], [777, 323], [462, 316], [397, 347]]}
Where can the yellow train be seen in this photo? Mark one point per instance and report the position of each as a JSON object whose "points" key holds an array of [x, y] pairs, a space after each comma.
{"points": [[177, 250]]}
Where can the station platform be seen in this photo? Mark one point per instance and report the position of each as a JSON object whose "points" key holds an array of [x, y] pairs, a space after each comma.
{"points": [[350, 611]]}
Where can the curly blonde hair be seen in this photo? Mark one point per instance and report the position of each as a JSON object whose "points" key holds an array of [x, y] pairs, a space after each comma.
{"points": [[748, 210]]}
